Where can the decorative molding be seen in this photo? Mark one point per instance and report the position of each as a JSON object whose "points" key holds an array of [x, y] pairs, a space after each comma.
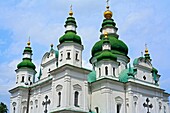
{"points": [[59, 88], [77, 87], [119, 100]]}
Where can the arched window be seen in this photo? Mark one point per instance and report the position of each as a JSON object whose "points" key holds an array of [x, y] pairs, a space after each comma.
{"points": [[14, 110], [22, 79], [29, 78], [59, 99], [97, 109], [106, 70], [76, 99], [119, 102], [113, 71], [118, 108], [99, 72], [14, 104], [77, 56]]}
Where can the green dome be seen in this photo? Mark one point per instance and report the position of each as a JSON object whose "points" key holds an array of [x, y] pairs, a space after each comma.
{"points": [[117, 46], [70, 36], [91, 77], [126, 74], [108, 23], [105, 55], [27, 49], [70, 21], [26, 63]]}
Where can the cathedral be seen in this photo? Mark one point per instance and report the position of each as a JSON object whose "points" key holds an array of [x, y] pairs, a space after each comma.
{"points": [[64, 86]]}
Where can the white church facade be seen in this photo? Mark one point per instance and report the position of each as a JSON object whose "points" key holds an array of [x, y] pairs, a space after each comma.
{"points": [[112, 86]]}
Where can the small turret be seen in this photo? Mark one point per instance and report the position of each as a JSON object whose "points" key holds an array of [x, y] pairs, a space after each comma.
{"points": [[70, 47], [26, 69]]}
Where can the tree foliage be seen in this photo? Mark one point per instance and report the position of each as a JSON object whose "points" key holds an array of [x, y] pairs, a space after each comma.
{"points": [[3, 108]]}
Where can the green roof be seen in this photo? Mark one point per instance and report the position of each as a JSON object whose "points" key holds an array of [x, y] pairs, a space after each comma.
{"points": [[108, 23], [27, 49], [154, 70], [70, 36], [56, 54], [117, 46], [91, 76], [70, 21], [136, 61], [106, 55], [26, 63], [126, 74]]}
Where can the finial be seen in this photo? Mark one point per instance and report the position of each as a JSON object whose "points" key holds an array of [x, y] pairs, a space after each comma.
{"points": [[107, 14], [29, 43], [71, 12], [146, 49], [106, 34], [107, 1]]}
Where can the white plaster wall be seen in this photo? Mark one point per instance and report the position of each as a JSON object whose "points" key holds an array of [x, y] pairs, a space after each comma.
{"points": [[45, 70], [110, 65], [26, 72], [109, 30], [104, 96], [73, 48], [141, 72]]}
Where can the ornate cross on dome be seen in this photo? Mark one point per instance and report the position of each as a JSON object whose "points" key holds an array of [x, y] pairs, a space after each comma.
{"points": [[145, 46], [147, 105], [107, 1], [46, 102], [71, 8], [71, 12]]}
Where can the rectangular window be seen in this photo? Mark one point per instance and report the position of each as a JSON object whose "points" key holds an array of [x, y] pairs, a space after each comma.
{"points": [[68, 56]]}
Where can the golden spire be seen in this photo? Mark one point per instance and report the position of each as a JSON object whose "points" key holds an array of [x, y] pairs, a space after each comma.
{"points": [[108, 14], [146, 49], [106, 34], [29, 43], [71, 12]]}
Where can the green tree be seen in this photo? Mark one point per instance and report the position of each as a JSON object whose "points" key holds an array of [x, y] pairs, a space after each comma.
{"points": [[3, 108]]}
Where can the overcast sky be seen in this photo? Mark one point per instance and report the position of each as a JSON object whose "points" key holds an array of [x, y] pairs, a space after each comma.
{"points": [[139, 22]]}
